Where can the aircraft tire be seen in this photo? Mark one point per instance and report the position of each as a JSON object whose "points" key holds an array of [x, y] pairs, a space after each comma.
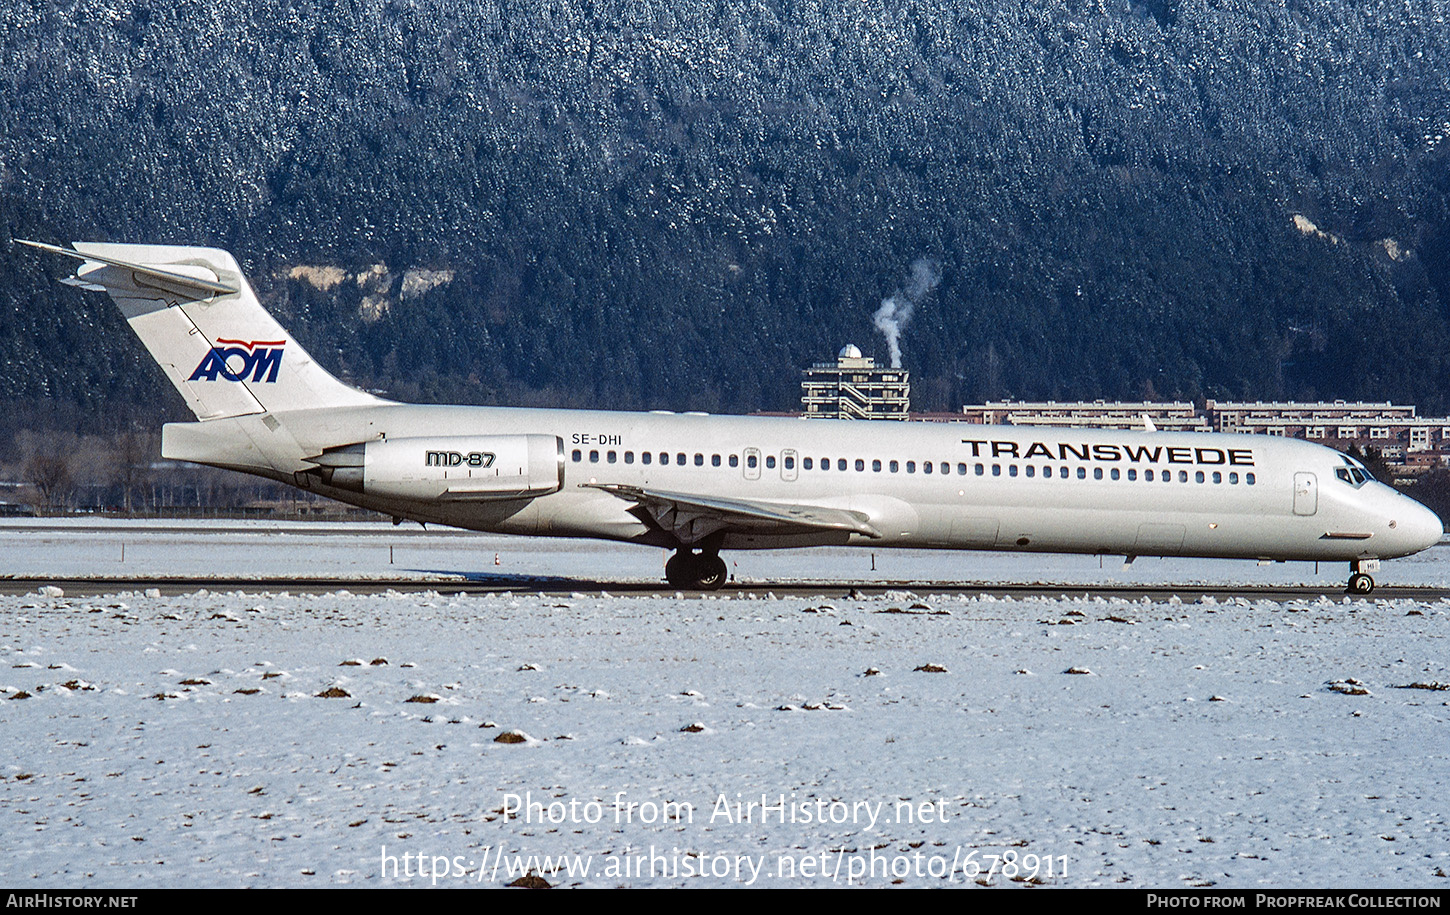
{"points": [[703, 572], [680, 569], [1360, 583], [713, 572]]}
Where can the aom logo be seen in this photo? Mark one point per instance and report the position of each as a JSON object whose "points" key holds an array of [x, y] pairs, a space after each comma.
{"points": [[235, 360]]}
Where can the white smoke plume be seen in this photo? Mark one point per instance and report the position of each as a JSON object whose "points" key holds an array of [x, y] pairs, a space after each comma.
{"points": [[897, 310]]}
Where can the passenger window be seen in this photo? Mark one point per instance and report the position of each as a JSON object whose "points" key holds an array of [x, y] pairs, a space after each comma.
{"points": [[1233, 479], [807, 463], [860, 464], [996, 470], [612, 457], [1030, 469], [911, 466], [1148, 475], [681, 459], [664, 458], [1082, 473], [770, 462], [629, 457], [961, 470], [1217, 477], [1011, 470], [1132, 473], [699, 460], [1183, 476], [594, 457], [1097, 473], [734, 460], [790, 462], [578, 455], [1114, 473], [1249, 479], [714, 460], [750, 461], [840, 463], [980, 469], [876, 466], [926, 466], [645, 457], [894, 466], [947, 468]]}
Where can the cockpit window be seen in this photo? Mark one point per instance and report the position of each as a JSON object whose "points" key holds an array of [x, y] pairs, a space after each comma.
{"points": [[1353, 472]]}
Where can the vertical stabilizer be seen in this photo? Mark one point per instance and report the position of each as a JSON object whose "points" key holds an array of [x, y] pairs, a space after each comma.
{"points": [[202, 323]]}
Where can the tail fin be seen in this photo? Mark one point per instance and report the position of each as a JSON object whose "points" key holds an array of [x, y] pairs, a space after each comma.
{"points": [[202, 323]]}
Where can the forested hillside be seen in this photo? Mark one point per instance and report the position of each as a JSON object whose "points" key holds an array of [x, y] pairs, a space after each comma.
{"points": [[678, 204]]}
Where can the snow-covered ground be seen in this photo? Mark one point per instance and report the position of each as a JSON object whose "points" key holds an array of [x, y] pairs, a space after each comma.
{"points": [[204, 739]]}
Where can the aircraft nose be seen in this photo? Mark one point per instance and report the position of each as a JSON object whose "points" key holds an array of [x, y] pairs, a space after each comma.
{"points": [[1418, 527]]}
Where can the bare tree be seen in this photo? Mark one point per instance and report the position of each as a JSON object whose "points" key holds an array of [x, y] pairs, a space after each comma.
{"points": [[50, 473], [132, 469]]}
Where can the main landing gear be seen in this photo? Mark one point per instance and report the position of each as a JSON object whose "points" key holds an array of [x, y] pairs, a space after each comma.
{"points": [[1359, 581], [704, 571]]}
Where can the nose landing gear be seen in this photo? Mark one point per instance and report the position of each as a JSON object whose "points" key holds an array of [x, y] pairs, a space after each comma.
{"points": [[704, 571], [1359, 581]]}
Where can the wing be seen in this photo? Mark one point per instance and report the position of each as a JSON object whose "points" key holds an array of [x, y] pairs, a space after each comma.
{"points": [[691, 517]]}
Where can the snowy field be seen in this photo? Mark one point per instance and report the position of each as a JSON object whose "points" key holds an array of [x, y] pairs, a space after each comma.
{"points": [[275, 739]]}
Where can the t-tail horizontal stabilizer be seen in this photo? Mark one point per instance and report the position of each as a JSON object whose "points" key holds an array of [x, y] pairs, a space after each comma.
{"points": [[200, 286], [202, 323]]}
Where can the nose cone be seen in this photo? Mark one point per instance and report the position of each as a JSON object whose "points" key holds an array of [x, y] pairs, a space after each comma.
{"points": [[1416, 527]]}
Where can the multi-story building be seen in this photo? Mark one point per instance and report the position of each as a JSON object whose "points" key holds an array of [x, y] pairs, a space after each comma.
{"points": [[1401, 437], [1318, 420], [854, 387], [1099, 414], [1413, 442]]}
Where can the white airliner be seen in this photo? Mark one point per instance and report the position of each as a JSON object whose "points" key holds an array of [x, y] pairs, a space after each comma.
{"points": [[697, 484]]}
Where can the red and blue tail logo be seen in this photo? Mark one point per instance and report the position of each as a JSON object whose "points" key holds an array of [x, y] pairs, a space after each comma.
{"points": [[235, 360]]}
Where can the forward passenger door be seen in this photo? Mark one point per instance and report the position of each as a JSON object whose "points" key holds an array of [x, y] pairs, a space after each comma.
{"points": [[1306, 494]]}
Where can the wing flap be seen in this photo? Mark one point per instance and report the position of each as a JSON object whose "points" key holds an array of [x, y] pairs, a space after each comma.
{"points": [[691, 517]]}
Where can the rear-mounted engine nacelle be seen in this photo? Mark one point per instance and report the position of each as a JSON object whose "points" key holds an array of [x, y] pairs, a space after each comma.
{"points": [[450, 468]]}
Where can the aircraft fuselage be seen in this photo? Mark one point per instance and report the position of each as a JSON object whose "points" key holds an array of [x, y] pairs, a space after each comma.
{"points": [[942, 485]]}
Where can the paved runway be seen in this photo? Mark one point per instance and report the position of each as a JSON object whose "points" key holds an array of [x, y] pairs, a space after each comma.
{"points": [[170, 585], [85, 555]]}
